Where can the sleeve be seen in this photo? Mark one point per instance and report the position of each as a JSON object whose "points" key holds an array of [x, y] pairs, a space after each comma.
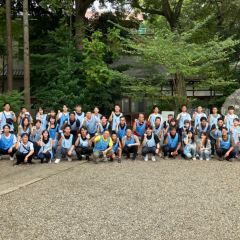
{"points": [[165, 136], [97, 139], [136, 139], [208, 129], [142, 139], [149, 117], [31, 147], [123, 139], [110, 142], [189, 117], [30, 118], [1, 113], [209, 144], [179, 138], [232, 142], [110, 127], [78, 123], [225, 117], [156, 139], [178, 116], [14, 138]]}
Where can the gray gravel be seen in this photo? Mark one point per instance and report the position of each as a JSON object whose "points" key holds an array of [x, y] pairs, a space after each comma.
{"points": [[166, 199]]}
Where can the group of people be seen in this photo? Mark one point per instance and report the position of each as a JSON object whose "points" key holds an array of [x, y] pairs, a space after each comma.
{"points": [[67, 134]]}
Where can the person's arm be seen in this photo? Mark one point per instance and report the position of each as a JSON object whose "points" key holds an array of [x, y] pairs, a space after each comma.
{"points": [[105, 151], [231, 148], [19, 130], [64, 124], [166, 140], [197, 130], [49, 147], [213, 130], [226, 118], [116, 129], [60, 140], [232, 128], [19, 118], [123, 141], [149, 119], [98, 128], [144, 139], [84, 122], [200, 145], [194, 116], [58, 117], [18, 143], [179, 118], [134, 125], [29, 154], [41, 141], [77, 141], [218, 142], [186, 140], [160, 134], [166, 129], [209, 119], [119, 143], [71, 149], [111, 117], [13, 116]]}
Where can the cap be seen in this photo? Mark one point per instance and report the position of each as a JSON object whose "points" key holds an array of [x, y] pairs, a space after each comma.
{"points": [[186, 121], [27, 113]]}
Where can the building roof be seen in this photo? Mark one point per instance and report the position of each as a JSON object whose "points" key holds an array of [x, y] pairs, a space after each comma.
{"points": [[16, 73]]}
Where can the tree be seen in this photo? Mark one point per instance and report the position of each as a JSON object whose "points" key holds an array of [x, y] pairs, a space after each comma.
{"points": [[9, 46]]}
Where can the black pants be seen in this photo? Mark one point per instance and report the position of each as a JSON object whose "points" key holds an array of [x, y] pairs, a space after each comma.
{"points": [[169, 150], [5, 152], [221, 152], [213, 144], [36, 149], [21, 156], [82, 151], [127, 150], [146, 150], [46, 155]]}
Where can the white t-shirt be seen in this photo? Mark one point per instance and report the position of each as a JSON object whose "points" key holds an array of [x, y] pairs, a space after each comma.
{"points": [[8, 137], [184, 114], [6, 114], [156, 115], [230, 116], [31, 145], [200, 115]]}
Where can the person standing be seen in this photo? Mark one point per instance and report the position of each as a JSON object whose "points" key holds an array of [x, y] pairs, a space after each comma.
{"points": [[7, 117], [53, 132], [121, 128], [73, 123], [230, 117], [225, 146], [115, 117], [198, 115], [235, 131], [213, 118], [130, 144], [23, 114], [151, 144], [96, 113], [79, 114], [62, 116], [183, 116], [42, 117], [154, 115]]}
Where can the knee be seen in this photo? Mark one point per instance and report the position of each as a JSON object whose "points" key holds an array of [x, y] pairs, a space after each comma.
{"points": [[206, 151], [193, 149], [90, 149], [95, 154]]}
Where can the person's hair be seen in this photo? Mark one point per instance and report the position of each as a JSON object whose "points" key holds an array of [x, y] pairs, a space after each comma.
{"points": [[47, 132], [170, 115], [6, 104], [155, 106], [38, 120], [114, 133], [122, 117], [203, 118], [52, 110], [173, 120], [103, 116], [65, 105], [117, 105], [157, 118], [79, 105], [89, 110], [72, 113], [214, 107], [106, 130], [224, 128], [83, 127], [231, 108], [96, 107], [66, 126], [149, 127], [128, 128], [206, 139], [24, 134], [140, 114], [6, 126], [41, 109], [184, 106], [199, 106], [192, 138], [173, 127], [55, 122], [23, 107], [236, 119], [23, 122], [220, 119]]}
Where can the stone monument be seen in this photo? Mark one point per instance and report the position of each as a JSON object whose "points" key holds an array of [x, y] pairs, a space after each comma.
{"points": [[232, 100]]}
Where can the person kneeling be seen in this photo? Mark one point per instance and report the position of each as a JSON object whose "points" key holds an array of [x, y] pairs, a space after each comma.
{"points": [[172, 143], [83, 144], [151, 144], [103, 146], [7, 142], [66, 145], [130, 144], [204, 147], [25, 150], [225, 146], [189, 149], [117, 148], [45, 143]]}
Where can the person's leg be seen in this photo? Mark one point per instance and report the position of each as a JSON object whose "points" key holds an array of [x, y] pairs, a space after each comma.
{"points": [[29, 161], [110, 153], [180, 151], [135, 151], [36, 150], [119, 153], [20, 158], [79, 151], [41, 156], [60, 150], [220, 152], [232, 154], [48, 157], [14, 150], [236, 149], [166, 150], [54, 148], [126, 151], [96, 155], [188, 155], [201, 155], [193, 152], [207, 154], [213, 144], [144, 151]]}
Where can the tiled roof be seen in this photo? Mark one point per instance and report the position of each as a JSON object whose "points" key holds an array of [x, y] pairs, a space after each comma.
{"points": [[16, 73]]}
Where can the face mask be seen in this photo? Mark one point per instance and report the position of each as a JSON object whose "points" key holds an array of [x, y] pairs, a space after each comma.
{"points": [[186, 126]]}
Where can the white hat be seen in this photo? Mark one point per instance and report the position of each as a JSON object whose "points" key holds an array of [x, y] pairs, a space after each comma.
{"points": [[27, 113]]}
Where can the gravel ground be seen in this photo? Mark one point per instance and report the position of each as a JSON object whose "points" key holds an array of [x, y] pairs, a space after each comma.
{"points": [[166, 199]]}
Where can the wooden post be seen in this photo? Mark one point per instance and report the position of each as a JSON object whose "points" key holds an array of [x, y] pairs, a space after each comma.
{"points": [[27, 100], [9, 46]]}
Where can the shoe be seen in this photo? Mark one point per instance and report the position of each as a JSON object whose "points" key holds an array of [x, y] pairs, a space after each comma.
{"points": [[57, 160], [229, 159], [194, 159], [11, 158], [80, 158], [69, 159], [220, 159], [153, 158], [117, 155], [97, 161], [166, 158], [160, 155], [82, 155], [187, 158], [105, 160], [212, 156], [15, 164], [50, 161], [63, 155], [237, 157], [207, 159], [31, 163], [87, 158], [119, 160], [200, 159], [146, 158]]}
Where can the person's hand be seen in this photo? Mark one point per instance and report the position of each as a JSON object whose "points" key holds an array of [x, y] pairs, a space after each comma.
{"points": [[145, 135], [201, 140], [135, 120], [210, 115], [87, 137], [112, 112], [54, 141], [197, 128], [44, 151], [59, 111], [12, 112], [19, 137], [34, 128], [79, 135], [228, 115], [157, 151], [175, 152], [168, 134], [195, 113], [70, 152], [167, 124], [65, 122], [20, 126], [104, 152], [129, 145], [180, 115], [96, 134], [190, 146], [10, 150], [49, 113], [236, 142], [0, 132], [216, 127], [117, 123], [85, 119], [20, 114], [226, 154], [41, 137], [200, 149], [25, 159], [63, 136]]}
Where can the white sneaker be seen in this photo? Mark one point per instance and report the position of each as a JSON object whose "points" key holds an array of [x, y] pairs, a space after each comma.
{"points": [[11, 158], [166, 157], [200, 159], [69, 159], [57, 160], [82, 155], [146, 158], [153, 158], [207, 159]]}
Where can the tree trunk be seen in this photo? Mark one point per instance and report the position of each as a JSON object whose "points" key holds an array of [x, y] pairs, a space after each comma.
{"points": [[27, 100], [9, 46]]}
